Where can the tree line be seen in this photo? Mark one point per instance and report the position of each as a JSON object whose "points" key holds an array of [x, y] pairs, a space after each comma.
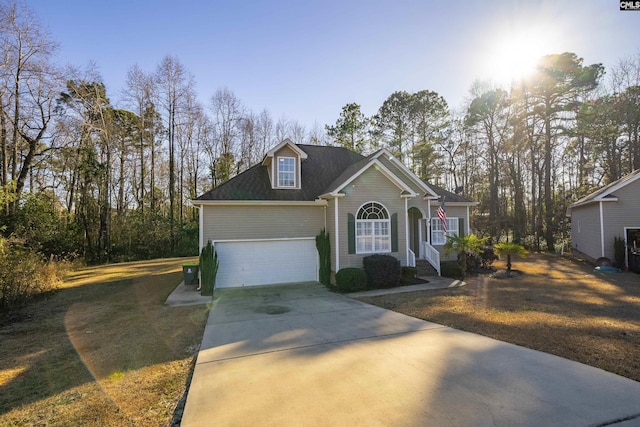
{"points": [[82, 175], [525, 152]]}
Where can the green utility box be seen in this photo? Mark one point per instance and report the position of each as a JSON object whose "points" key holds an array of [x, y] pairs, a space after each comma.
{"points": [[190, 271]]}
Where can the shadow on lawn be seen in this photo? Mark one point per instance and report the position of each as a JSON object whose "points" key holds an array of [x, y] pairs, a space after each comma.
{"points": [[85, 333], [562, 286], [556, 306]]}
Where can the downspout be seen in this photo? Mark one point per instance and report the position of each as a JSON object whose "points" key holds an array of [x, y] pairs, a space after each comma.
{"points": [[601, 229], [468, 222], [337, 246]]}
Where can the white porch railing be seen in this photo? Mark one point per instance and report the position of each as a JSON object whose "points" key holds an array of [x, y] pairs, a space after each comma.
{"points": [[432, 255], [412, 258]]}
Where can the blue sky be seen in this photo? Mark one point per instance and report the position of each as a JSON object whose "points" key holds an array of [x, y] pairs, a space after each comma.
{"points": [[306, 59]]}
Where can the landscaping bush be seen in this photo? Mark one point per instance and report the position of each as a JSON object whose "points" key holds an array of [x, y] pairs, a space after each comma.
{"points": [[208, 269], [408, 276], [409, 272], [481, 260], [451, 270], [474, 262], [24, 275], [324, 253], [487, 256], [383, 271], [351, 279]]}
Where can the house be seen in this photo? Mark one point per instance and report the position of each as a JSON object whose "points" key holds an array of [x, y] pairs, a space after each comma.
{"points": [[264, 221], [610, 212]]}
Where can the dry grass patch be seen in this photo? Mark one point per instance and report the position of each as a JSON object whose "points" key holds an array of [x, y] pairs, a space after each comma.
{"points": [[103, 350], [555, 305]]}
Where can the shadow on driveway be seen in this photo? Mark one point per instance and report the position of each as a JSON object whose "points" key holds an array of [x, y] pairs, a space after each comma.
{"points": [[299, 353]]}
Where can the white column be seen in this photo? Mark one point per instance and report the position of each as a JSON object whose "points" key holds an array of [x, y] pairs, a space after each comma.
{"points": [[336, 221], [601, 230], [406, 228]]}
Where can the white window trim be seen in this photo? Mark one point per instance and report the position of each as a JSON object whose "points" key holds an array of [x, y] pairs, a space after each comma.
{"points": [[436, 230], [374, 250], [294, 172]]}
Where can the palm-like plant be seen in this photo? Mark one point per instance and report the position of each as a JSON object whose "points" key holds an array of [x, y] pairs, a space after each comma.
{"points": [[508, 249], [464, 245]]}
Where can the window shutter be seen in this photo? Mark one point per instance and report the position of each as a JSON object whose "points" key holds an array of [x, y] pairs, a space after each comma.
{"points": [[394, 232], [461, 230], [351, 233]]}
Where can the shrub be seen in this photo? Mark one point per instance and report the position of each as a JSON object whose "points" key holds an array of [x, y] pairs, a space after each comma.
{"points": [[208, 269], [473, 262], [24, 275], [408, 274], [450, 269], [383, 271], [324, 252], [465, 246], [487, 256], [351, 279]]}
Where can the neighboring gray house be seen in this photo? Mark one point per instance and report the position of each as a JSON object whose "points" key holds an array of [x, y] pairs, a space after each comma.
{"points": [[263, 222], [613, 210]]}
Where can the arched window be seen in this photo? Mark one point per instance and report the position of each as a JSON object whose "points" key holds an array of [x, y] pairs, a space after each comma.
{"points": [[373, 229]]}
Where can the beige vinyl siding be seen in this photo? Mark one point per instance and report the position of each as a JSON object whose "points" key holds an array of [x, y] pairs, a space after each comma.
{"points": [[585, 230], [371, 186], [621, 214], [421, 205], [261, 222], [401, 175], [286, 151], [452, 212]]}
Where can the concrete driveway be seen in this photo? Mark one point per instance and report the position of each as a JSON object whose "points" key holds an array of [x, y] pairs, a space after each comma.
{"points": [[300, 355]]}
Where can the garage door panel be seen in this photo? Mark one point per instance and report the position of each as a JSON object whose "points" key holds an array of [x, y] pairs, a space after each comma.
{"points": [[254, 263]]}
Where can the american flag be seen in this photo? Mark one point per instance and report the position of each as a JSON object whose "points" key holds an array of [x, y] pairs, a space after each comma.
{"points": [[442, 214]]}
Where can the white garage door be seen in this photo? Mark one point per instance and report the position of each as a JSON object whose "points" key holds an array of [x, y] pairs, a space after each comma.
{"points": [[264, 262]]}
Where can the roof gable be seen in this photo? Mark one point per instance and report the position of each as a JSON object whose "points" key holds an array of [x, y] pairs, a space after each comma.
{"points": [[286, 142], [605, 194], [362, 167], [404, 170], [326, 170]]}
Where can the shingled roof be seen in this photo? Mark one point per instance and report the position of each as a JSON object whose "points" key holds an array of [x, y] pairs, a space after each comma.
{"points": [[320, 171], [449, 196], [322, 166], [607, 191]]}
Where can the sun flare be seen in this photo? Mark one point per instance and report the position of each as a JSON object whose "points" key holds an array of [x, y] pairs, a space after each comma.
{"points": [[513, 56]]}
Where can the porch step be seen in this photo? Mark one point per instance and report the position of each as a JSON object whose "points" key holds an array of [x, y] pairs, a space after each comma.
{"points": [[424, 268]]}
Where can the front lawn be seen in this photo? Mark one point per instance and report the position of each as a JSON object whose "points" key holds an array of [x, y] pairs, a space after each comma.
{"points": [[102, 350], [555, 305]]}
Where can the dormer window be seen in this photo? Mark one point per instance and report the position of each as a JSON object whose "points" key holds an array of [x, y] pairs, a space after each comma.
{"points": [[286, 172], [283, 165]]}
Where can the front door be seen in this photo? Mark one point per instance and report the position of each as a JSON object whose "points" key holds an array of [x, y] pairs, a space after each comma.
{"points": [[633, 249]]}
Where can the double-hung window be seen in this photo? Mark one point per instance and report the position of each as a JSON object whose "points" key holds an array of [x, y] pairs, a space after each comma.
{"points": [[438, 235], [286, 172], [373, 229]]}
